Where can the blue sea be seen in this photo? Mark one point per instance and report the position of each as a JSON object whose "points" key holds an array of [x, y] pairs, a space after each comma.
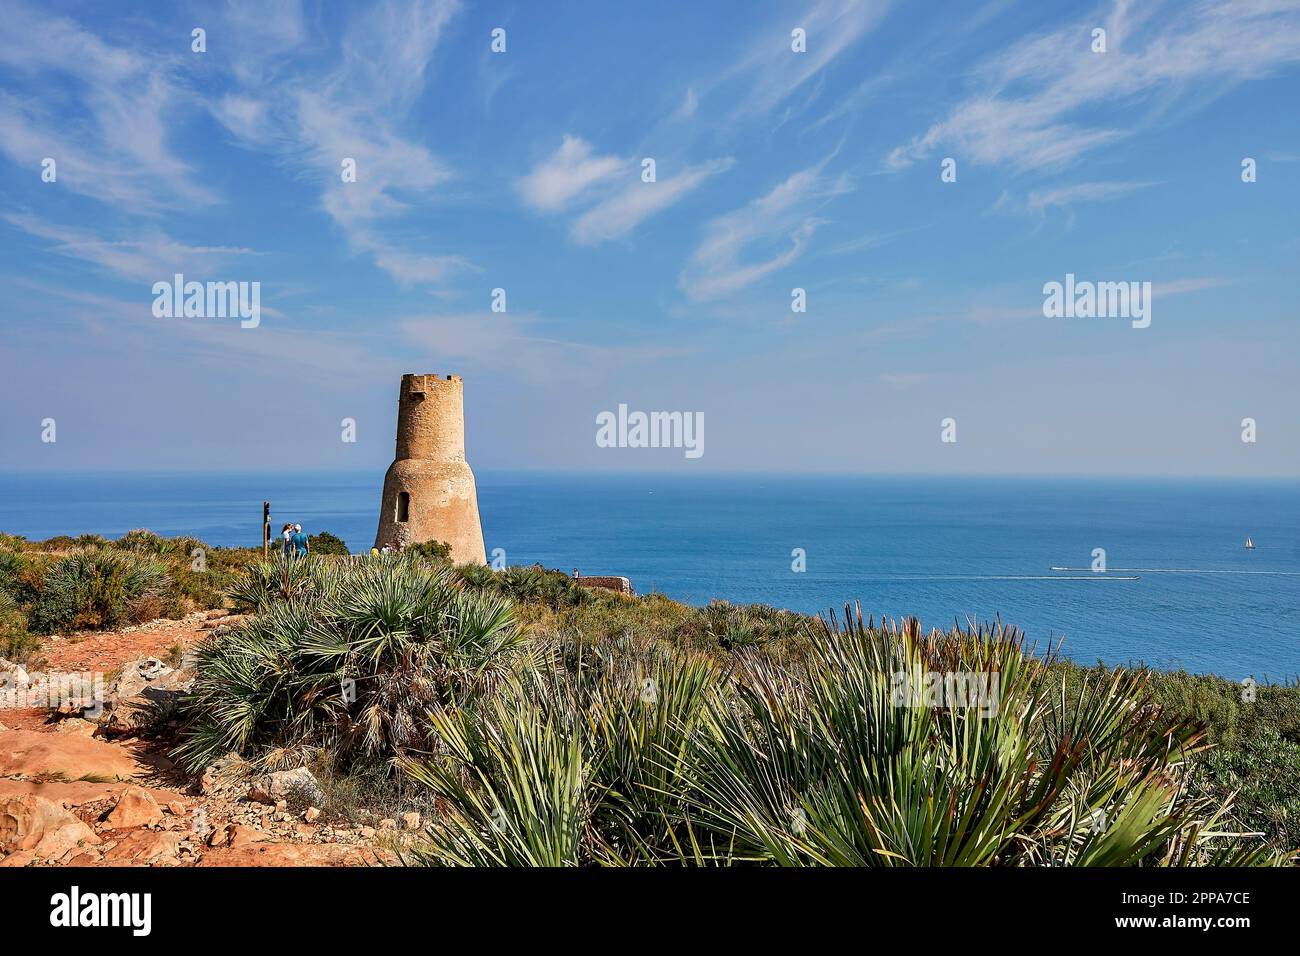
{"points": [[938, 548]]}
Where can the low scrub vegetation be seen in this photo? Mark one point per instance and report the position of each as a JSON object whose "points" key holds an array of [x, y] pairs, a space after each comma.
{"points": [[92, 583], [550, 724], [535, 721], [346, 659], [634, 754], [326, 543], [98, 588], [17, 644]]}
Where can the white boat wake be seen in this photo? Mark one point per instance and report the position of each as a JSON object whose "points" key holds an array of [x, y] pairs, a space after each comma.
{"points": [[1176, 571], [1001, 577]]}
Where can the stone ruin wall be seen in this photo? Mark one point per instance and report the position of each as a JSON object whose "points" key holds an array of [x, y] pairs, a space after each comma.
{"points": [[608, 582]]}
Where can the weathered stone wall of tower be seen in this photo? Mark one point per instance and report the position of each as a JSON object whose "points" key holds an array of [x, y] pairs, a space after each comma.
{"points": [[431, 426], [430, 470]]}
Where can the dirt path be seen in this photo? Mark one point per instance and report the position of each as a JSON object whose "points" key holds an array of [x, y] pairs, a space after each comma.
{"points": [[69, 797], [109, 650]]}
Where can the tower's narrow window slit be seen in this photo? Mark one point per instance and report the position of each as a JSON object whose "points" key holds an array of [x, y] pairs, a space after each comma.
{"points": [[403, 506]]}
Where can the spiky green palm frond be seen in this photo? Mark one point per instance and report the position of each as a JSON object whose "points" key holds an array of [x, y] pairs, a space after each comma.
{"points": [[351, 659], [879, 747]]}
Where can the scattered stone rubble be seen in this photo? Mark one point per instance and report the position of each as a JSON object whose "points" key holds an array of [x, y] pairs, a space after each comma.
{"points": [[81, 791]]}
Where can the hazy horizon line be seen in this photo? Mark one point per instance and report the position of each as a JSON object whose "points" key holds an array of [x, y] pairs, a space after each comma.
{"points": [[667, 473]]}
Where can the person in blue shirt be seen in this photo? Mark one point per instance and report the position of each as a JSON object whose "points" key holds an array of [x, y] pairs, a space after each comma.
{"points": [[301, 547]]}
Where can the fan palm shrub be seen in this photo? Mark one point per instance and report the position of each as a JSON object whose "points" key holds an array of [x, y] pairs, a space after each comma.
{"points": [[267, 582], [734, 627], [144, 541], [349, 662], [522, 583], [527, 584], [478, 577], [11, 568]]}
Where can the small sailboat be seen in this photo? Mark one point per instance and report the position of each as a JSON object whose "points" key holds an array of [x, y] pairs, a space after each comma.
{"points": [[1250, 545]]}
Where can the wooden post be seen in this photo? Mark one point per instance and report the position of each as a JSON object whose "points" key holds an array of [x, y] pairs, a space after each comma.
{"points": [[266, 529]]}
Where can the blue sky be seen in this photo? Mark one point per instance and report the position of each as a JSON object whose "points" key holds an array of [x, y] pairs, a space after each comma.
{"points": [[775, 170]]}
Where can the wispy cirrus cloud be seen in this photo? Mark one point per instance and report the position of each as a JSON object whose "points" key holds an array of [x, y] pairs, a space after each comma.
{"points": [[1039, 201], [115, 147], [1031, 108], [414, 268], [358, 110], [761, 78], [690, 104], [567, 173], [280, 29], [247, 118], [1063, 196], [1013, 303], [1188, 285], [574, 175], [131, 322], [782, 221], [622, 212], [768, 73], [102, 112], [148, 256]]}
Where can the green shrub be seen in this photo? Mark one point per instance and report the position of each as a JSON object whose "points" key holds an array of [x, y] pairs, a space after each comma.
{"points": [[1261, 771], [606, 616], [633, 754], [204, 583], [93, 589], [580, 764], [326, 543], [438, 552], [263, 584], [733, 627], [22, 574], [11, 566], [16, 644], [65, 542], [347, 662], [196, 575], [144, 541], [551, 589]]}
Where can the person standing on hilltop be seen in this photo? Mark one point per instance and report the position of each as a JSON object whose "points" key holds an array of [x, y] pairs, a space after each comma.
{"points": [[301, 546], [286, 542]]}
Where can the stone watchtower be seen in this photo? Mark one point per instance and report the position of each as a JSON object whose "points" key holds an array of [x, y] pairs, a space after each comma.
{"points": [[429, 491]]}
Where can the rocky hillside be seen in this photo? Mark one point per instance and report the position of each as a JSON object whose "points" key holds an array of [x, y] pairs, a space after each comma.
{"points": [[84, 788]]}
